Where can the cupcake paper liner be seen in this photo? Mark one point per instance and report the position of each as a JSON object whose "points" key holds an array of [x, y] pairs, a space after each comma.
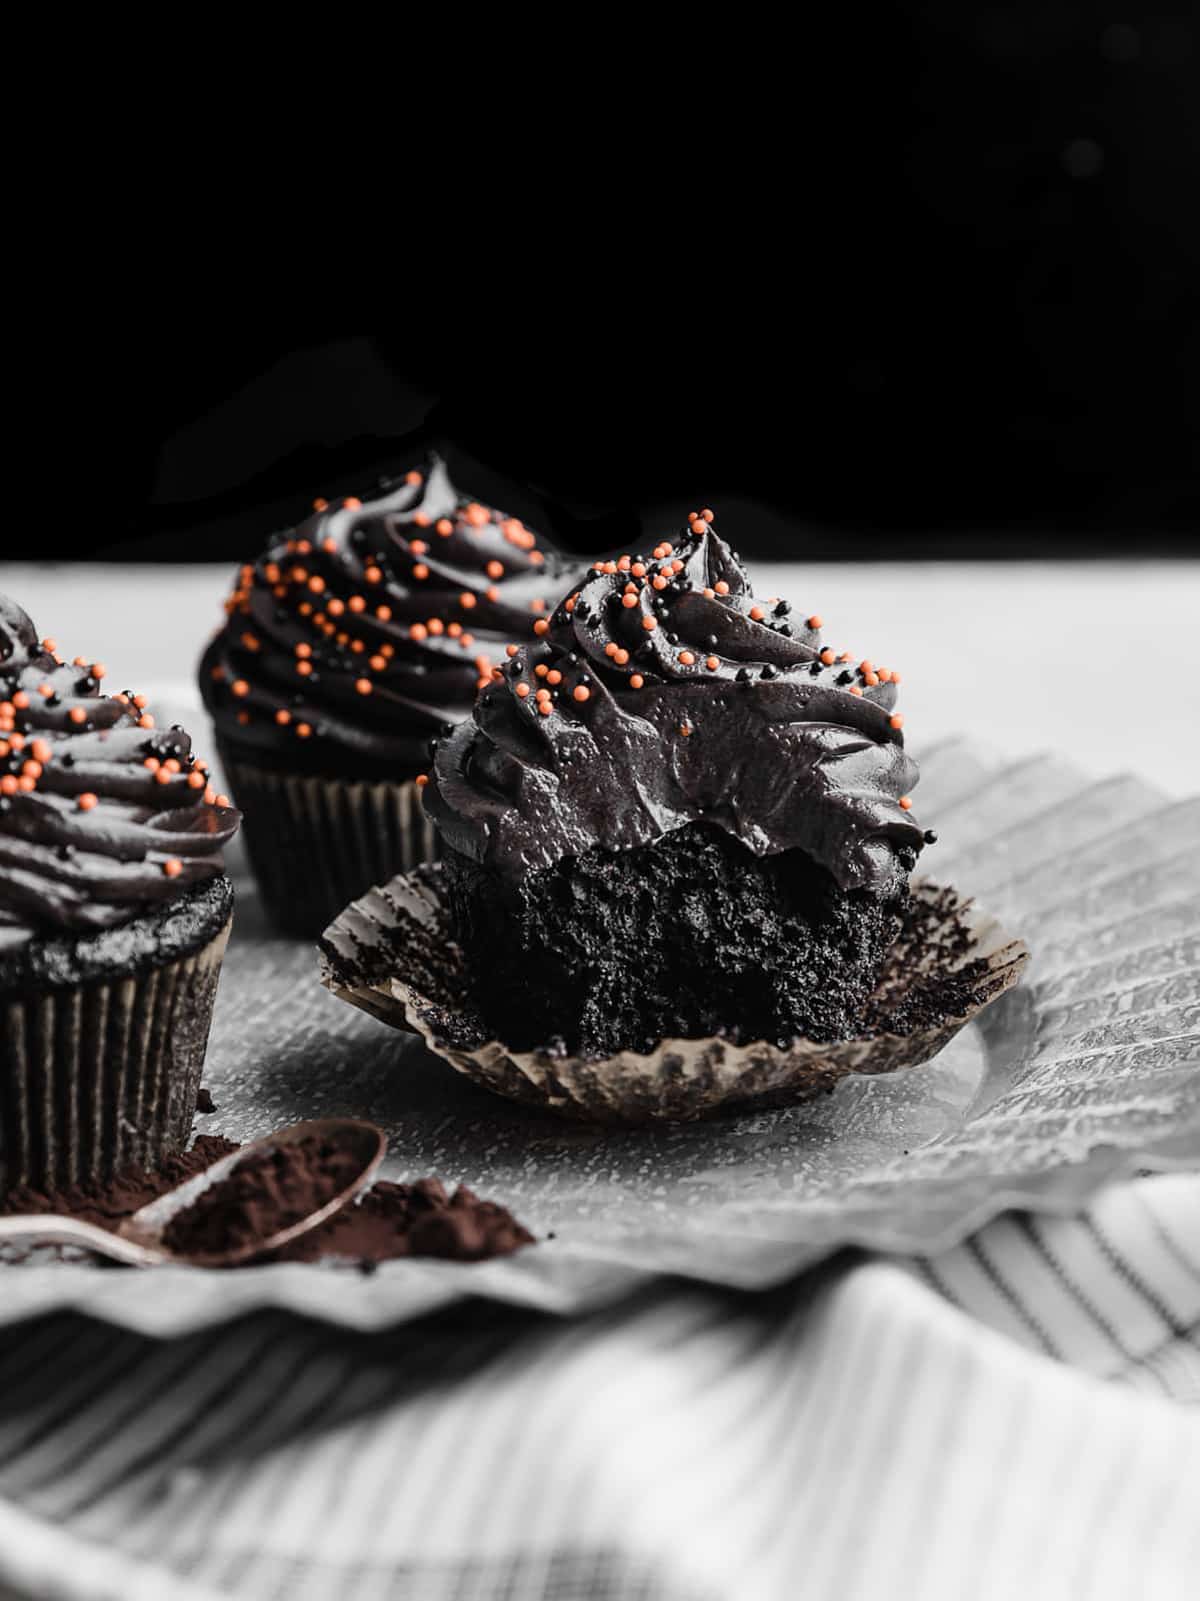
{"points": [[96, 1076], [391, 954], [316, 843]]}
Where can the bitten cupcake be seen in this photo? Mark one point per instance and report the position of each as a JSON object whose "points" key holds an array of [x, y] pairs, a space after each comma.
{"points": [[674, 813], [349, 644], [677, 836], [114, 913]]}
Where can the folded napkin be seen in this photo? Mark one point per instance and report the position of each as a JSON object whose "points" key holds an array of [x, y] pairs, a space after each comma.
{"points": [[1006, 1419]]}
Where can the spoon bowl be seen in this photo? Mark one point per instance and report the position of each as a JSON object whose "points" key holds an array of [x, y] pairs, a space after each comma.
{"points": [[139, 1240]]}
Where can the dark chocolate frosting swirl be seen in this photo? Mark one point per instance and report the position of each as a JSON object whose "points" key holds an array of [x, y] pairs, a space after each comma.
{"points": [[101, 814], [661, 693], [358, 635]]}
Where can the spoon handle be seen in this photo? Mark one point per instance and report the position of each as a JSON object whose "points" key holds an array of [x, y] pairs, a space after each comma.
{"points": [[49, 1229]]}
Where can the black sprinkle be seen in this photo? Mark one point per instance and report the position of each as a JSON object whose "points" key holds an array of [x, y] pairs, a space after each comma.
{"points": [[930, 837], [768, 672], [743, 675]]}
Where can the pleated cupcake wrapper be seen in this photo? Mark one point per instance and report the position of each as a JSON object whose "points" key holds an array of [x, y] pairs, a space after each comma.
{"points": [[317, 843], [95, 1077], [391, 955]]}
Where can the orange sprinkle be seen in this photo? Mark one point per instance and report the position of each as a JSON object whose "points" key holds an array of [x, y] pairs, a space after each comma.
{"points": [[712, 664], [31, 769], [495, 569], [708, 514], [384, 613], [418, 548], [8, 785], [329, 546], [304, 668], [649, 624], [757, 613], [46, 689], [151, 764], [896, 721], [374, 575], [630, 600], [356, 603], [444, 527], [828, 657], [865, 667], [454, 629], [303, 649], [421, 780], [511, 650], [86, 801], [303, 729], [196, 780], [221, 800], [376, 663], [162, 776], [854, 689], [413, 477], [317, 584], [78, 715], [904, 804], [537, 605], [40, 750], [541, 626], [722, 588], [522, 690], [466, 599], [541, 670], [50, 644], [478, 516], [581, 692], [364, 686], [686, 657], [658, 583], [492, 593], [320, 505], [421, 519], [420, 570], [710, 594], [870, 680], [554, 676], [545, 707], [636, 681], [352, 503], [239, 687], [172, 867], [569, 604], [621, 657], [611, 649], [542, 694], [638, 569], [685, 729]]}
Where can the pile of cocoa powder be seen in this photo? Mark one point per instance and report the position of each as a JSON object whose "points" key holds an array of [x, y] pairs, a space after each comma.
{"points": [[276, 1187]]}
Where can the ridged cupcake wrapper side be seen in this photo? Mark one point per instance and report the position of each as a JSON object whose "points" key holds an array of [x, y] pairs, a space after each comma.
{"points": [[317, 843], [390, 954], [97, 1076]]}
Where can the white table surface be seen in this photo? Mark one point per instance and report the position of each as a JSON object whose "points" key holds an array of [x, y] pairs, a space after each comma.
{"points": [[1097, 660]]}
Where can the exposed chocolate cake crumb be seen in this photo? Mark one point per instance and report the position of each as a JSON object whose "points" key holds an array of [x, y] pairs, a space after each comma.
{"points": [[390, 1220], [692, 936]]}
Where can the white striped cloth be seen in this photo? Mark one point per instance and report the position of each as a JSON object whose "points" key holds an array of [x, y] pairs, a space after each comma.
{"points": [[1009, 1419]]}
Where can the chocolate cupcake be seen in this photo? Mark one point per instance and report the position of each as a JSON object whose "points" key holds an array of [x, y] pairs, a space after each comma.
{"points": [[675, 813], [350, 643], [114, 913], [676, 846]]}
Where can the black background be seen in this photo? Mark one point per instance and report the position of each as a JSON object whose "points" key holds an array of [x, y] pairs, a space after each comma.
{"points": [[960, 316]]}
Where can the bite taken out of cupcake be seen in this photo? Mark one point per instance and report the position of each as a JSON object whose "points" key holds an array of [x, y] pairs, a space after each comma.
{"points": [[114, 912], [677, 839], [350, 643], [676, 811]]}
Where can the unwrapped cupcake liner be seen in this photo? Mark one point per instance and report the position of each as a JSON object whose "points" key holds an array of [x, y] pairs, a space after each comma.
{"points": [[316, 843], [391, 954], [98, 1076]]}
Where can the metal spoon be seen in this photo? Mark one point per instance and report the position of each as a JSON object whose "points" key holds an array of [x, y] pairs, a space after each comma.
{"points": [[138, 1240]]}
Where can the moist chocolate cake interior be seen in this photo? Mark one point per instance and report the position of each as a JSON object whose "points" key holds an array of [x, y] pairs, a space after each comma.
{"points": [[691, 936]]}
